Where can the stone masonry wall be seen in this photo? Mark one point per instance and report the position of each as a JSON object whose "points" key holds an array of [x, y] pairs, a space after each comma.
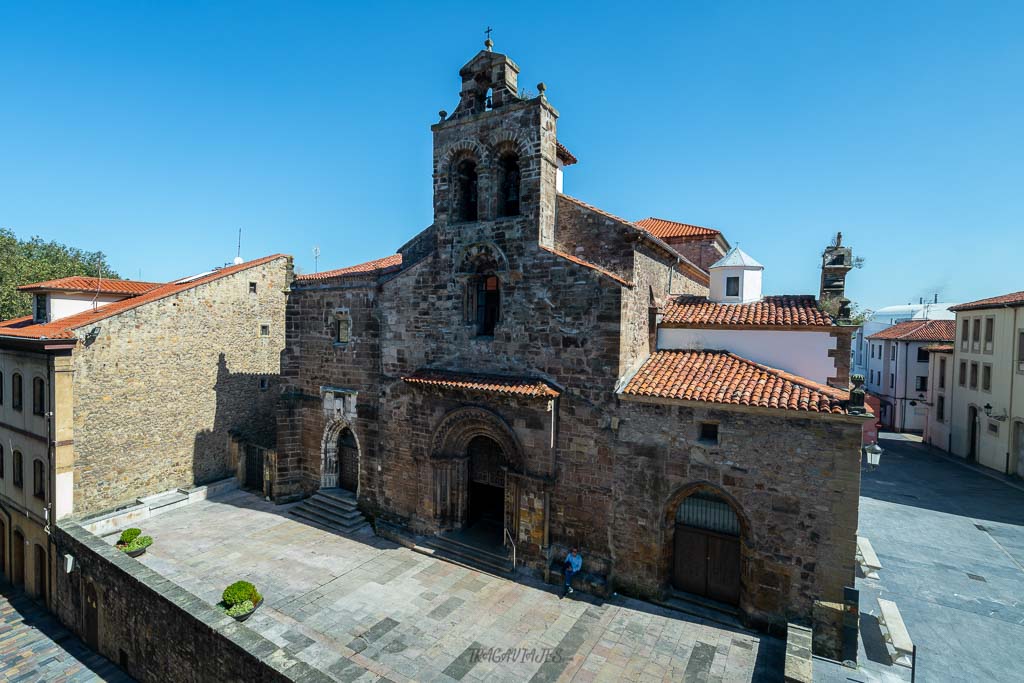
{"points": [[156, 630], [794, 479], [158, 392], [701, 253]]}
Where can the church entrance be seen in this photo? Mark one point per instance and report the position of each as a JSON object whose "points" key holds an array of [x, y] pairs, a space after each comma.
{"points": [[486, 511], [706, 552], [340, 465]]}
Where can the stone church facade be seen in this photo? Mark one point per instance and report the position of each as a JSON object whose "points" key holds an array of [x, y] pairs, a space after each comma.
{"points": [[503, 371]]}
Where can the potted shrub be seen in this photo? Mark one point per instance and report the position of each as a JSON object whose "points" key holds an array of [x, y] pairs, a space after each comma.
{"points": [[240, 600], [133, 543]]}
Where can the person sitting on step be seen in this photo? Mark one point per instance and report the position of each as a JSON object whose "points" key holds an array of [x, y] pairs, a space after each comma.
{"points": [[573, 563]]}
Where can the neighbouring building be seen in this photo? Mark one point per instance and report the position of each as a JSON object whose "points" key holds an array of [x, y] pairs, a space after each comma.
{"points": [[940, 387], [701, 246], [114, 390], [987, 405], [886, 317], [897, 371], [532, 370]]}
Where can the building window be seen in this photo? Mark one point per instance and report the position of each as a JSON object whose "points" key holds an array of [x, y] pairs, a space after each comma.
{"points": [[940, 409], [252, 287], [872, 350], [342, 327], [488, 304], [963, 373], [466, 190], [38, 397], [264, 383], [986, 377], [892, 380], [974, 375], [2, 388], [964, 333], [40, 312], [16, 392], [942, 373], [993, 427], [508, 186], [1, 467], [1020, 355], [990, 325], [38, 481], [922, 355], [732, 286], [892, 354], [976, 334], [264, 330], [16, 466], [921, 383], [709, 432]]}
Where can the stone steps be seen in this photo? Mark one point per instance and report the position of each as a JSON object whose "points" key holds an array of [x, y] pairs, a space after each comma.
{"points": [[451, 550], [333, 509], [709, 610]]}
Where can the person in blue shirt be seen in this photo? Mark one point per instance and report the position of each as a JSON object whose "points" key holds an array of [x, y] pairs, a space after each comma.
{"points": [[573, 563]]}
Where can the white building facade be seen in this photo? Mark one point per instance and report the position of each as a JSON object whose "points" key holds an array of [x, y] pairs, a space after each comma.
{"points": [[940, 387], [885, 318]]}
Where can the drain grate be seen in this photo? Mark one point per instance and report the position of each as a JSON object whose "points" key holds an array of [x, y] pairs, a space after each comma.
{"points": [[977, 578]]}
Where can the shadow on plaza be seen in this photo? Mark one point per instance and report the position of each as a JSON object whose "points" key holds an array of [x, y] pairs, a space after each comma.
{"points": [[918, 475], [35, 617]]}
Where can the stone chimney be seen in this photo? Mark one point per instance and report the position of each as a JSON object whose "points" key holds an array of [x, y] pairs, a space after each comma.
{"points": [[836, 262]]}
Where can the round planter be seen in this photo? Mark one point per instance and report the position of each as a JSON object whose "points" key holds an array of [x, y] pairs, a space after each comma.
{"points": [[131, 553], [248, 614]]}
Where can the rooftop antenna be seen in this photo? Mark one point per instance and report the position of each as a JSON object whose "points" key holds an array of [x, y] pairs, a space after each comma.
{"points": [[316, 259], [238, 254]]}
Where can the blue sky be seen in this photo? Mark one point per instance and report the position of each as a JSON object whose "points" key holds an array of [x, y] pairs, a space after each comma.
{"points": [[153, 131]]}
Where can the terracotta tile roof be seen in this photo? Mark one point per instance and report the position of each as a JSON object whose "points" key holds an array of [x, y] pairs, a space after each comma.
{"points": [[659, 227], [771, 311], [1006, 300], [64, 327], [723, 377], [567, 157], [17, 322], [92, 284], [393, 262], [588, 264], [939, 348], [919, 330], [495, 384]]}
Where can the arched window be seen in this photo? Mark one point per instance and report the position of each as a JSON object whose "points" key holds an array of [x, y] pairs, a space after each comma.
{"points": [[38, 396], [38, 479], [16, 466], [466, 190], [16, 392], [508, 186], [488, 304], [705, 510]]}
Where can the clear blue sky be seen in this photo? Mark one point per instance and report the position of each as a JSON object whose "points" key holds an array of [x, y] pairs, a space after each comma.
{"points": [[153, 131]]}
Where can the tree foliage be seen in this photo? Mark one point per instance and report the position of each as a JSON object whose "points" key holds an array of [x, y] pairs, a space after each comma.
{"points": [[34, 260]]}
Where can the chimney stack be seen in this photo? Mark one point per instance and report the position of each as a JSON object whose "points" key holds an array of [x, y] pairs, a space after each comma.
{"points": [[836, 262]]}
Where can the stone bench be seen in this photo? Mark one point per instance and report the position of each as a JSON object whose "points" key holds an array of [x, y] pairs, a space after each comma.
{"points": [[596, 584], [867, 559], [897, 639]]}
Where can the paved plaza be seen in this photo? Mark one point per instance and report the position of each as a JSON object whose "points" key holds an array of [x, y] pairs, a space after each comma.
{"points": [[35, 647], [951, 542], [363, 608]]}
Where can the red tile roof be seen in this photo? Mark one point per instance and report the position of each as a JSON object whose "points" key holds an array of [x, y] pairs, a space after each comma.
{"points": [[91, 284], [393, 262], [567, 157], [659, 227], [63, 328], [495, 384], [919, 330], [939, 348], [771, 311], [588, 264], [1005, 301], [723, 377]]}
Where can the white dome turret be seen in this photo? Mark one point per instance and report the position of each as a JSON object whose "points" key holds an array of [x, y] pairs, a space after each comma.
{"points": [[735, 278]]}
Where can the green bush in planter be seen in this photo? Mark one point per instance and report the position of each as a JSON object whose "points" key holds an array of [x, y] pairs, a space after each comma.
{"points": [[129, 535], [138, 543], [239, 592], [241, 608]]}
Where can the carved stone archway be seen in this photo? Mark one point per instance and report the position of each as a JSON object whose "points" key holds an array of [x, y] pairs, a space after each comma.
{"points": [[331, 474]]}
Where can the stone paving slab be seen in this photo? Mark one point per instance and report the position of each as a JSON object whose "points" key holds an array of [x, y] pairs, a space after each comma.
{"points": [[35, 647], [362, 608]]}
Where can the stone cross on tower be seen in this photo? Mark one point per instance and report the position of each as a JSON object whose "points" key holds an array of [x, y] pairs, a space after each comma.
{"points": [[488, 43]]}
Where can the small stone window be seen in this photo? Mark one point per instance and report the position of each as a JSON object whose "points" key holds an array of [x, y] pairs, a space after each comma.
{"points": [[342, 327], [38, 480], [16, 465], [264, 383], [508, 186], [709, 432], [732, 286], [252, 287], [38, 396], [466, 190], [264, 330], [483, 303], [16, 401]]}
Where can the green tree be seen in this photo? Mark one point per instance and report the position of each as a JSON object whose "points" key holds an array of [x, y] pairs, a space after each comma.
{"points": [[33, 260]]}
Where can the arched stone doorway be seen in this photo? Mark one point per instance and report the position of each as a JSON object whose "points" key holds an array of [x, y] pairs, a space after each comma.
{"points": [[486, 483], [339, 457], [18, 559], [705, 536]]}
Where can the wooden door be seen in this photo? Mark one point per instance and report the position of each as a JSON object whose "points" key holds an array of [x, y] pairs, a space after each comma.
{"points": [[18, 559], [348, 461], [723, 568], [92, 617], [690, 560], [40, 564]]}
